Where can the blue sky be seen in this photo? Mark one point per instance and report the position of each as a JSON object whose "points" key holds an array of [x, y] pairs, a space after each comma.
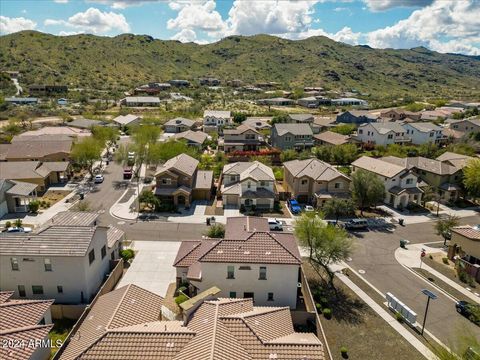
{"points": [[441, 25]]}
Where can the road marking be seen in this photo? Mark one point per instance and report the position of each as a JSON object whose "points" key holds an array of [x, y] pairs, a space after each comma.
{"points": [[121, 222]]}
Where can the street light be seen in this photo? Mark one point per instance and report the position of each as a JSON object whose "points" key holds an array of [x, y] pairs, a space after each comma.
{"points": [[430, 295]]}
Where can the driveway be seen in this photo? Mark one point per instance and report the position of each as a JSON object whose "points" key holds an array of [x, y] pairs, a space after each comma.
{"points": [[152, 267]]}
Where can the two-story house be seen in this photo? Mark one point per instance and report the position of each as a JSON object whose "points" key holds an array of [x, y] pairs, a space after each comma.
{"points": [[381, 133], [400, 114], [401, 183], [216, 120], [179, 181], [242, 138], [263, 266], [248, 184], [179, 125], [66, 261], [193, 138], [464, 126], [424, 132], [356, 117], [292, 136], [314, 181], [464, 248]]}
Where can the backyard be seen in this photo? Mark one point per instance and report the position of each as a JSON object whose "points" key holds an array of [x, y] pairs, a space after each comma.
{"points": [[58, 334]]}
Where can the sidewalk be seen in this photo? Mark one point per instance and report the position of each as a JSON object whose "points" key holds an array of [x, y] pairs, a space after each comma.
{"points": [[410, 257], [387, 316]]}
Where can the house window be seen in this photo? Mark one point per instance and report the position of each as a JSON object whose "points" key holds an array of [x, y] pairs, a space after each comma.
{"points": [[304, 182], [338, 185], [14, 263], [233, 294], [262, 183], [230, 272], [166, 181], [48, 265], [409, 181], [21, 291], [60, 289], [360, 131], [262, 275], [104, 251], [232, 178], [244, 268], [91, 256], [37, 289], [431, 134], [249, 185], [270, 296], [288, 138], [390, 136]]}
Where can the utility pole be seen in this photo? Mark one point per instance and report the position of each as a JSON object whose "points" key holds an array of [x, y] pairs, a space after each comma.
{"points": [[430, 295]]}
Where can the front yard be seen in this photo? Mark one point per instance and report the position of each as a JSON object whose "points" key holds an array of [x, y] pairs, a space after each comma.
{"points": [[51, 197]]}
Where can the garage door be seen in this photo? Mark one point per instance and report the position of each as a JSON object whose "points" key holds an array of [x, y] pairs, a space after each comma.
{"points": [[231, 200], [263, 203]]}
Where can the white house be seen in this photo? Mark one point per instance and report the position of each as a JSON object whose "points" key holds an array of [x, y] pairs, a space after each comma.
{"points": [[381, 133], [264, 266], [127, 120], [248, 183], [66, 261], [216, 119], [424, 132], [401, 183]]}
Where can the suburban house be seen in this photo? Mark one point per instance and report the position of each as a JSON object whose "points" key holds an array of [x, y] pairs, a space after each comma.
{"points": [[140, 101], [310, 102], [242, 138], [41, 174], [47, 90], [87, 124], [258, 123], [128, 120], [443, 177], [401, 183], [248, 184], [400, 114], [264, 266], [69, 131], [15, 196], [27, 324], [215, 120], [331, 138], [38, 148], [128, 323], [193, 138], [179, 181], [424, 132], [291, 136], [179, 83], [382, 133], [301, 118], [356, 117], [22, 100], [314, 181], [349, 102], [457, 160], [179, 125], [66, 261], [464, 249], [278, 101], [324, 123], [465, 126]]}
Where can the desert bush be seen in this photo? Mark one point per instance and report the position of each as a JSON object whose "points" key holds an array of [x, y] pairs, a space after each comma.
{"points": [[327, 313]]}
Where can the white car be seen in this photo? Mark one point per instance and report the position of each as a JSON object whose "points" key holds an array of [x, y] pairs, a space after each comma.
{"points": [[16, 229], [131, 155], [98, 179], [309, 208], [275, 225]]}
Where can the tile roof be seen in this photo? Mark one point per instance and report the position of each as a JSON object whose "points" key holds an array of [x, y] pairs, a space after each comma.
{"points": [[332, 138], [379, 166], [18, 170], [385, 127], [183, 163], [241, 227], [203, 180], [217, 113], [294, 129], [35, 147], [192, 250], [301, 117], [21, 188], [255, 170], [113, 236], [26, 336], [180, 121], [425, 126], [57, 130], [198, 137], [239, 130], [126, 119], [314, 169], [75, 218], [467, 231]]}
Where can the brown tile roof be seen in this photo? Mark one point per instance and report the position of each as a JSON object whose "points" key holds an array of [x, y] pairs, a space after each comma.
{"points": [[203, 180], [422, 163], [35, 147], [467, 231], [183, 163], [192, 250], [332, 138], [25, 336], [241, 227], [255, 170], [239, 130], [379, 166], [75, 218], [313, 168], [198, 137], [294, 129]]}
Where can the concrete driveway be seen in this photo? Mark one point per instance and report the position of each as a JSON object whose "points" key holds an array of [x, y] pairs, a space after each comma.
{"points": [[152, 268]]}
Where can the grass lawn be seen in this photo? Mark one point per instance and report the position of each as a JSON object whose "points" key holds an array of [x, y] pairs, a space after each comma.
{"points": [[357, 327], [60, 330]]}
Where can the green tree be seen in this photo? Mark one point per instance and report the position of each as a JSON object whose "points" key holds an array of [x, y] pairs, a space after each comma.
{"points": [[326, 245], [282, 118], [216, 231], [428, 150], [343, 154], [288, 155], [443, 227], [344, 129], [367, 189], [106, 135], [471, 178], [148, 198], [86, 152], [335, 208], [238, 117]]}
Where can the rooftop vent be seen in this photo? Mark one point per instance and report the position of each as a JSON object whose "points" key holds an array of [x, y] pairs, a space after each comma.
{"points": [[268, 252], [219, 251], [246, 252], [273, 356]]}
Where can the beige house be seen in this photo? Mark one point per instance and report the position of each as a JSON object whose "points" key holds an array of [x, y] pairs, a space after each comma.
{"points": [[331, 138], [193, 138], [400, 114], [67, 260], [242, 138], [314, 181], [465, 126], [179, 125], [39, 148], [15, 196], [248, 184], [465, 247], [401, 183], [69, 131], [179, 181]]}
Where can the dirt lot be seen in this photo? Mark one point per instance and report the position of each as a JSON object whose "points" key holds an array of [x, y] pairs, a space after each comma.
{"points": [[52, 196]]}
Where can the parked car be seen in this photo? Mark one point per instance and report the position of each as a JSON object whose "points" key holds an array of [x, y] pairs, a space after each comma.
{"points": [[98, 179], [469, 310], [294, 206], [275, 225], [127, 173], [148, 217], [356, 224], [309, 208], [15, 229]]}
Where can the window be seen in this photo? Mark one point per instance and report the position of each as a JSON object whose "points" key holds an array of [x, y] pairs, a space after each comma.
{"points": [[104, 251], [431, 134], [249, 185], [262, 183], [304, 182], [409, 181], [270, 296], [48, 264], [91, 256], [21, 291], [263, 273], [360, 131], [244, 268], [390, 136], [232, 178], [338, 185], [230, 272], [166, 181], [288, 138], [37, 290], [60, 289], [233, 294], [14, 263]]}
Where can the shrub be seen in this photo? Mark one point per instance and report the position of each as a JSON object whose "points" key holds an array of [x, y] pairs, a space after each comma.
{"points": [[318, 306], [127, 254], [8, 224], [18, 223], [430, 256], [344, 351], [216, 231], [399, 317], [324, 301], [180, 299], [33, 206], [327, 313], [445, 260]]}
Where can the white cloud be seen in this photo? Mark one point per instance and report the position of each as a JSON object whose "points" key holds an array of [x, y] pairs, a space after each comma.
{"points": [[446, 24], [121, 4], [93, 21], [10, 25], [61, 1], [69, 33], [381, 5], [186, 35], [345, 35], [196, 15]]}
